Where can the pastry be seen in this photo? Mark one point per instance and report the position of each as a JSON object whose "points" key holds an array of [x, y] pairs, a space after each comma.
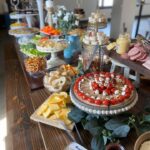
{"points": [[60, 79], [95, 38]]}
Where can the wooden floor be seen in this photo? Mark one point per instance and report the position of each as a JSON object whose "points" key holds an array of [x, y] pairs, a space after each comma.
{"points": [[23, 134]]}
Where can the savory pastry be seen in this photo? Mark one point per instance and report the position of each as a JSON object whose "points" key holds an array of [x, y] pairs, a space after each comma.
{"points": [[97, 18], [60, 79], [95, 38]]}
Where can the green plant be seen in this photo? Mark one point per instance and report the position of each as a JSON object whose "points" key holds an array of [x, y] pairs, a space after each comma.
{"points": [[110, 129]]}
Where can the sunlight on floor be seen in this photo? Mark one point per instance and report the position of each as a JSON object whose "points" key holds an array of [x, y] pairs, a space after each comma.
{"points": [[3, 133]]}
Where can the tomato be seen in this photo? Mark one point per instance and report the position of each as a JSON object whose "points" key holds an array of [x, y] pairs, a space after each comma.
{"points": [[128, 90], [113, 90], [95, 86], [80, 94], [120, 98], [98, 102], [127, 95], [85, 97], [114, 81], [91, 100], [110, 85], [131, 86], [100, 90], [108, 91], [89, 74], [102, 87], [106, 102], [76, 88], [113, 102]]}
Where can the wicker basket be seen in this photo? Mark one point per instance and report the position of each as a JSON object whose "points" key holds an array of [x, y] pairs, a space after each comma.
{"points": [[144, 137]]}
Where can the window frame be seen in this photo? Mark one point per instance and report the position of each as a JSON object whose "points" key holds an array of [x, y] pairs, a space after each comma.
{"points": [[105, 7]]}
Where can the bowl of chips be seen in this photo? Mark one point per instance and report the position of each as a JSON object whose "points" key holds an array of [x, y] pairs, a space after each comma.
{"points": [[35, 66]]}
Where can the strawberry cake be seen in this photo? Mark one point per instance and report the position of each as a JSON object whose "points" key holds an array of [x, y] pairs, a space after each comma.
{"points": [[108, 92]]}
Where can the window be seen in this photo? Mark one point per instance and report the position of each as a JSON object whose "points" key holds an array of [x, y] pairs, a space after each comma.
{"points": [[106, 3]]}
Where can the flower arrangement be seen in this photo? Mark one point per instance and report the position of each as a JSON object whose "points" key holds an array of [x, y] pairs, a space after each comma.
{"points": [[65, 20]]}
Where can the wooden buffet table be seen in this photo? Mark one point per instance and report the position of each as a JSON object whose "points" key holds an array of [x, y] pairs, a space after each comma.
{"points": [[24, 134]]}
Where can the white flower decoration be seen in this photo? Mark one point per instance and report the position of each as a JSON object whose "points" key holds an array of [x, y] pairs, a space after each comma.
{"points": [[66, 18], [59, 13]]}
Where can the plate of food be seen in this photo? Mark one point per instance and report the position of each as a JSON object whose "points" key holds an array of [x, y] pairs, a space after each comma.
{"points": [[51, 45], [103, 93], [23, 32], [18, 25], [54, 112], [35, 66], [48, 30], [60, 79], [37, 38], [79, 32], [31, 51]]}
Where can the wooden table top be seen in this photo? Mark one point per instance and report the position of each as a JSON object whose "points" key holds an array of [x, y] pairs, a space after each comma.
{"points": [[137, 66], [24, 134]]}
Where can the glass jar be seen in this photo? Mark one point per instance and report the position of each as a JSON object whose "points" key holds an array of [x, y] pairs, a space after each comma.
{"points": [[123, 43]]}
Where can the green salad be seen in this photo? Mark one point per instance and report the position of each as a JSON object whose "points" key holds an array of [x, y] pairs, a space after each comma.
{"points": [[36, 38], [31, 51]]}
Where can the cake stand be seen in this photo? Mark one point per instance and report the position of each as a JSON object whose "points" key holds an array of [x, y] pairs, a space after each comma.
{"points": [[19, 35], [21, 16], [106, 111], [54, 60]]}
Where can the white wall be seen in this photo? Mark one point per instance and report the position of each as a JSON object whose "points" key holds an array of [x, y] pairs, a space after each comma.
{"points": [[90, 5], [87, 5]]}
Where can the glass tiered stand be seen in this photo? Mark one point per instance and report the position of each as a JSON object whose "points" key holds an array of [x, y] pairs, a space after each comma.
{"points": [[90, 53]]}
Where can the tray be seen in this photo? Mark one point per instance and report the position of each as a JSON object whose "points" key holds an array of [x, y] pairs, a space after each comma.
{"points": [[55, 123], [101, 111]]}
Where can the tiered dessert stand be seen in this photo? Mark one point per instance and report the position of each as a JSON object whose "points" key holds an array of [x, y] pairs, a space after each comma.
{"points": [[28, 17]]}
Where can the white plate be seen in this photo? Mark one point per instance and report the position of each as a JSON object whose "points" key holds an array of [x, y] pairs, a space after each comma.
{"points": [[21, 35], [20, 16], [18, 27]]}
